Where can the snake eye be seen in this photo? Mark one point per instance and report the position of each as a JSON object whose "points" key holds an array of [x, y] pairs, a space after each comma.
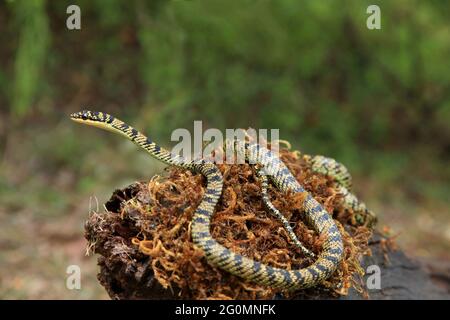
{"points": [[83, 117]]}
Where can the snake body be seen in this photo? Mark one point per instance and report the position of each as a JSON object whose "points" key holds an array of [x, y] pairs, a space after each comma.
{"points": [[338, 172], [330, 167], [215, 253], [277, 214]]}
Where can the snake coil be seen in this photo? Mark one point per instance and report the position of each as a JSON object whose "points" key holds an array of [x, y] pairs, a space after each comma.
{"points": [[216, 254]]}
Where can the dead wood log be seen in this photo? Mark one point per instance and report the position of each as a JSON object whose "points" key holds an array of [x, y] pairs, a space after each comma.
{"points": [[127, 274]]}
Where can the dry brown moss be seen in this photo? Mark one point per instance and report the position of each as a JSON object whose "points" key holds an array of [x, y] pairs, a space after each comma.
{"points": [[146, 231]]}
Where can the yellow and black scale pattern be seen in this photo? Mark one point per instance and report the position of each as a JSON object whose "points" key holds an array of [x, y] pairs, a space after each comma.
{"points": [[336, 170], [218, 255], [277, 214]]}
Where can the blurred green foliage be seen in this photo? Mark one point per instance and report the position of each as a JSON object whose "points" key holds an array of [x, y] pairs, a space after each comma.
{"points": [[310, 68], [32, 26], [378, 100]]}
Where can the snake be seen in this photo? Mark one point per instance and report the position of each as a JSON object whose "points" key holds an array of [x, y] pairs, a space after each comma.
{"points": [[277, 214], [341, 175], [327, 261], [336, 170]]}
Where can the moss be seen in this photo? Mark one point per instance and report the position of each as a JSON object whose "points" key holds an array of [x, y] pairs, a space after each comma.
{"points": [[144, 240]]}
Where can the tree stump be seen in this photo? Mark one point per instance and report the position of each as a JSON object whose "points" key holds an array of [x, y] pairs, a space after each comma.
{"points": [[145, 250], [401, 276]]}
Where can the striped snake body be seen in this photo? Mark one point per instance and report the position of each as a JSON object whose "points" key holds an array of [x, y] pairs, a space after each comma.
{"points": [[215, 253], [330, 167]]}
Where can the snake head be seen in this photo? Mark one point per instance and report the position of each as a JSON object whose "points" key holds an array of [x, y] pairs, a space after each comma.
{"points": [[94, 118], [86, 115]]}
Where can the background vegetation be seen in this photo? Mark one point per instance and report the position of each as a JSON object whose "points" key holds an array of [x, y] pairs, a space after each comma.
{"points": [[377, 100]]}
